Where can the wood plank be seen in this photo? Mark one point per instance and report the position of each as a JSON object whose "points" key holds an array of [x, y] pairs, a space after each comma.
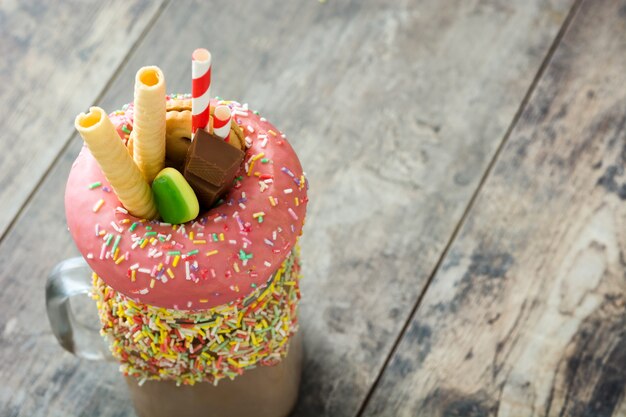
{"points": [[416, 98], [56, 59], [527, 314]]}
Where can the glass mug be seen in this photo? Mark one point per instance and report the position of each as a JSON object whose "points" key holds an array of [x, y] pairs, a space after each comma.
{"points": [[269, 391]]}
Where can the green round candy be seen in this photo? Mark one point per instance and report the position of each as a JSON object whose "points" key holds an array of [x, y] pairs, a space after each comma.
{"points": [[175, 200]]}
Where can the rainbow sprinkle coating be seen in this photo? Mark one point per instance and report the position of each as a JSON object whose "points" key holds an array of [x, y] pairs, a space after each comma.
{"points": [[154, 343]]}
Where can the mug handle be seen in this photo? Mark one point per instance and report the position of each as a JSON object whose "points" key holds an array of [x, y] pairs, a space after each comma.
{"points": [[70, 278]]}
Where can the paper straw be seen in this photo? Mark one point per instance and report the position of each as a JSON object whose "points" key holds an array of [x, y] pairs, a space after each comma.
{"points": [[200, 86], [221, 121]]}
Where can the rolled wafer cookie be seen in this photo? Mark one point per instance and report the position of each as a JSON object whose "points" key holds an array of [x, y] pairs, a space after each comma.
{"points": [[148, 135], [118, 167]]}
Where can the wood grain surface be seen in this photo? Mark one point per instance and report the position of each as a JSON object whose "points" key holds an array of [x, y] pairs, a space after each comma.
{"points": [[396, 109], [425, 93], [526, 316], [47, 50]]}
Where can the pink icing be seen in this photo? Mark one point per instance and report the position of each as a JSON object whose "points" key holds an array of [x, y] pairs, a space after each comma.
{"points": [[211, 280]]}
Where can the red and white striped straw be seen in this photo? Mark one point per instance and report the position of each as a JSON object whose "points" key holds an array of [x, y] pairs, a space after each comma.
{"points": [[221, 121], [200, 86]]}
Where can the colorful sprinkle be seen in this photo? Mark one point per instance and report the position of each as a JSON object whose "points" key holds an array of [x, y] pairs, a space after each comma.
{"points": [[97, 206], [224, 341], [253, 160], [117, 242]]}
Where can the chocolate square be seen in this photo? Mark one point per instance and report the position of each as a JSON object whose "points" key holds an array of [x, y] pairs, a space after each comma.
{"points": [[211, 166]]}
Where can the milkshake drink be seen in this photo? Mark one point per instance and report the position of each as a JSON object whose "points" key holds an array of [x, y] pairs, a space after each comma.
{"points": [[188, 210]]}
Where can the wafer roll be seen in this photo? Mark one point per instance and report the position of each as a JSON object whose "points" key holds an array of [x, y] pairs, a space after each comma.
{"points": [[118, 167], [148, 135]]}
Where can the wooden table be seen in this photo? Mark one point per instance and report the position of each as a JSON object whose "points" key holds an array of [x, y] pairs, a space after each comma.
{"points": [[465, 251]]}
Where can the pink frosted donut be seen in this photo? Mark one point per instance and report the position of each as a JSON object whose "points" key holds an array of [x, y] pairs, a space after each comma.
{"points": [[223, 255]]}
